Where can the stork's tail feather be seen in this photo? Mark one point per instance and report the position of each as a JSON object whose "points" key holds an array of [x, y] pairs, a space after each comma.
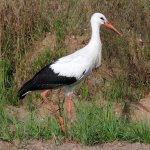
{"points": [[26, 88]]}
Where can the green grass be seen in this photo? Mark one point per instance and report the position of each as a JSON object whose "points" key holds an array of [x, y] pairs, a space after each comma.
{"points": [[31, 128], [44, 58], [94, 124], [120, 89], [83, 92]]}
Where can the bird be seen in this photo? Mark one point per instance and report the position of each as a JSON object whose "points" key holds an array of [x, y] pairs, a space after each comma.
{"points": [[69, 70]]}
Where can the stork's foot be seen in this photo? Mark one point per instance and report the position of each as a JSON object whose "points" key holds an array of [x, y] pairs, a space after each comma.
{"points": [[61, 121]]}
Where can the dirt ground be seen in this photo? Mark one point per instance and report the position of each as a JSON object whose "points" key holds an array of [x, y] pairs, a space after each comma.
{"points": [[141, 110], [49, 145]]}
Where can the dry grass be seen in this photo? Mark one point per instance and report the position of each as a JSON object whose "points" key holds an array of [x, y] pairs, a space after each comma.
{"points": [[24, 22]]}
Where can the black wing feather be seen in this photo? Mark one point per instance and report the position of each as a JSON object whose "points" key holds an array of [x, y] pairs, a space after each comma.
{"points": [[46, 78]]}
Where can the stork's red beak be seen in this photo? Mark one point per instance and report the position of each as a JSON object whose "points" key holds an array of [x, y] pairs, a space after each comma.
{"points": [[110, 26]]}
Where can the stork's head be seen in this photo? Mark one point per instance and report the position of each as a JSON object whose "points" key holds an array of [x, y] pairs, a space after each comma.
{"points": [[100, 19]]}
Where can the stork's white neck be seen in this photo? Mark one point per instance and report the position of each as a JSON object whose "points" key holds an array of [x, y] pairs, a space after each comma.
{"points": [[95, 37]]}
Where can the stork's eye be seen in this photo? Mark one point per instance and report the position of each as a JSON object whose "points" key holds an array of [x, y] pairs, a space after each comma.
{"points": [[102, 18]]}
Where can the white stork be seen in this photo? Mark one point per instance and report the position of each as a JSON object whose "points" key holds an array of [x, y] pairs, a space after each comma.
{"points": [[68, 71]]}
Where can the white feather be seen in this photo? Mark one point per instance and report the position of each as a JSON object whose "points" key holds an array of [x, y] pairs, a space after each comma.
{"points": [[71, 66], [82, 61]]}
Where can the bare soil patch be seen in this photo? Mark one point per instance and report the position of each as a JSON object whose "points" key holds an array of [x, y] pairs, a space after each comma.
{"points": [[141, 110], [49, 145]]}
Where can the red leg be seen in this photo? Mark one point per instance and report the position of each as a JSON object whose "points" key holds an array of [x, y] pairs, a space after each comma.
{"points": [[52, 108], [69, 112]]}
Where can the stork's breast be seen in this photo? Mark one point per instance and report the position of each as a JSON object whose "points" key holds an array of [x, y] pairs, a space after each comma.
{"points": [[98, 61]]}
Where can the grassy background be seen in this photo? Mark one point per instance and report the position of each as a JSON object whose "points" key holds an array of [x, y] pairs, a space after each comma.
{"points": [[125, 73]]}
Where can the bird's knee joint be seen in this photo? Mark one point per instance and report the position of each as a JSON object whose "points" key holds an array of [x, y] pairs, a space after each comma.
{"points": [[42, 94]]}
